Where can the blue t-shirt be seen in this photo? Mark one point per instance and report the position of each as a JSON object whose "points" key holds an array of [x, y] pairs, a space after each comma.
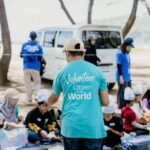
{"points": [[124, 60], [30, 52], [82, 117]]}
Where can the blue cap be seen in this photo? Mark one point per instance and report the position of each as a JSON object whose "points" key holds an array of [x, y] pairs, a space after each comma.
{"points": [[33, 34], [128, 42]]}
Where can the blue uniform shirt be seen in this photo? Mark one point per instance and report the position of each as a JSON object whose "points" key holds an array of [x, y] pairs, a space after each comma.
{"points": [[82, 117], [124, 60], [30, 51]]}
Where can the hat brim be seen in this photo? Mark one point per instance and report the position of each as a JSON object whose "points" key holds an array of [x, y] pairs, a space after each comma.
{"points": [[16, 96], [131, 46]]}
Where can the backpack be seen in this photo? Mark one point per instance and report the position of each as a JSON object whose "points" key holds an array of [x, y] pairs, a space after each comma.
{"points": [[56, 116], [43, 66]]}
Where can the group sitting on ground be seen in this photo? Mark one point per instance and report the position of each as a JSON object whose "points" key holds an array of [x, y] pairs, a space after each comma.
{"points": [[40, 122], [43, 127]]}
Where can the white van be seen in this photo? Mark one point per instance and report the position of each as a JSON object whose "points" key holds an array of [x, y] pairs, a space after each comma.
{"points": [[108, 39]]}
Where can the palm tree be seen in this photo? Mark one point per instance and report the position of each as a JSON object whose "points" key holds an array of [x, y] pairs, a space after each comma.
{"points": [[89, 18], [6, 56], [131, 19]]}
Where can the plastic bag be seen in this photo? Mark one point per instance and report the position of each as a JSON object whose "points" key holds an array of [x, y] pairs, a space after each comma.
{"points": [[13, 139]]}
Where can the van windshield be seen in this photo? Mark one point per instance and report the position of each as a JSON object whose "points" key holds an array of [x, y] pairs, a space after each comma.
{"points": [[39, 34], [104, 39]]}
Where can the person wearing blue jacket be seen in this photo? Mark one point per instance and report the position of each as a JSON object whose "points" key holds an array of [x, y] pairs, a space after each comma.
{"points": [[32, 53], [123, 76]]}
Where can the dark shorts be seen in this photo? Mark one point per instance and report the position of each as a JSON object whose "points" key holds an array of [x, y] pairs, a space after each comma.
{"points": [[82, 144]]}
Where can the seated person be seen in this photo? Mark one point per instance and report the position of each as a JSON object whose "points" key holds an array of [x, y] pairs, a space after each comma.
{"points": [[137, 107], [114, 127], [9, 107], [146, 99], [39, 121], [129, 116]]}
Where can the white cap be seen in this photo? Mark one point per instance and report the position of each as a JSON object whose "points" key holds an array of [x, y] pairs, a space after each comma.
{"points": [[74, 44], [11, 93], [148, 85], [1, 118], [43, 95], [110, 109], [138, 90], [128, 94]]}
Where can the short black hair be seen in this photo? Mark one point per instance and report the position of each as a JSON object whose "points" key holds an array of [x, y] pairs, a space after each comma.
{"points": [[33, 38], [127, 101], [33, 35], [43, 102], [76, 53], [40, 103]]}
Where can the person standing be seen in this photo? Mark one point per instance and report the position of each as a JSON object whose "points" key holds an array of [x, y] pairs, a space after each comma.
{"points": [[31, 53], [123, 76], [85, 90], [90, 54]]}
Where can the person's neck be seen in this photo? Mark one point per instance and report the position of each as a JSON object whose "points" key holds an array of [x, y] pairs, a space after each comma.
{"points": [[128, 105], [41, 111], [33, 40], [76, 58]]}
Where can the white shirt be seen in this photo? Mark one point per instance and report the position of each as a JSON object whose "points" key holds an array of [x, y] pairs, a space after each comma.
{"points": [[138, 111]]}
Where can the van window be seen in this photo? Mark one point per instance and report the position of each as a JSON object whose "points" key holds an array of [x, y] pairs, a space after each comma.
{"points": [[104, 39], [84, 37], [39, 35], [63, 37], [49, 39]]}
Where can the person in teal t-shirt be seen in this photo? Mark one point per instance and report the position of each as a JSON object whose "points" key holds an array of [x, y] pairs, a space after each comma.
{"points": [[84, 92]]}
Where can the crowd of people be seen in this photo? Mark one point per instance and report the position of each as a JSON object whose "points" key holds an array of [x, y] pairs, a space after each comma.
{"points": [[88, 116]]}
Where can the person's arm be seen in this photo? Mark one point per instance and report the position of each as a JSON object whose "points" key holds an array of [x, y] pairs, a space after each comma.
{"points": [[119, 62], [134, 122], [116, 132], [22, 50], [103, 93], [104, 98], [119, 127], [137, 125], [56, 91], [119, 69], [53, 99], [30, 123]]}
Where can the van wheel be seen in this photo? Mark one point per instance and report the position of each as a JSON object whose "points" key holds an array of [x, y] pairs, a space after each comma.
{"points": [[110, 86]]}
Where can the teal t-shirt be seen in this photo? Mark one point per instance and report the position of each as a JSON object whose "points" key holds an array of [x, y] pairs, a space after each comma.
{"points": [[82, 117]]}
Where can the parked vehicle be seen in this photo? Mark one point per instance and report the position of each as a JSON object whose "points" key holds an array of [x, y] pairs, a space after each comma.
{"points": [[108, 38]]}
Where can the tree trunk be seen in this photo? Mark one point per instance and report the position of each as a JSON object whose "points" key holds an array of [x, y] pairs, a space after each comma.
{"points": [[6, 56], [131, 19], [89, 19], [147, 6], [66, 12]]}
